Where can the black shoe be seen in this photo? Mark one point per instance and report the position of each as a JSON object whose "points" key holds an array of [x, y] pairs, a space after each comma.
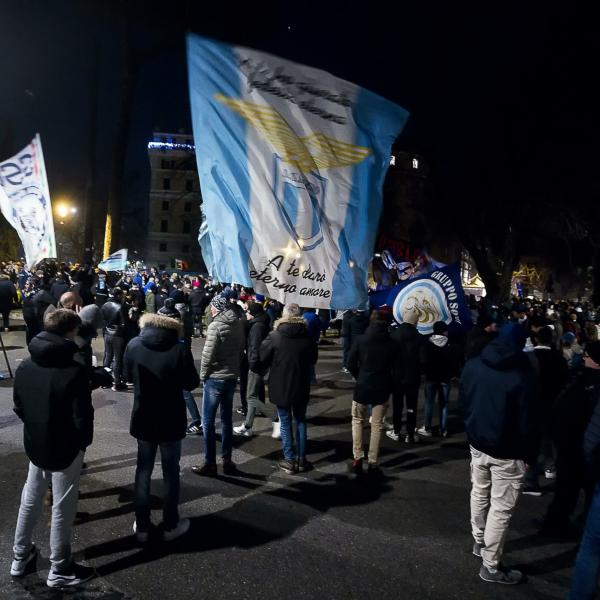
{"points": [[229, 467], [500, 575], [477, 548], [70, 577], [207, 469], [532, 490], [194, 429], [304, 465], [374, 471], [241, 411], [288, 466]]}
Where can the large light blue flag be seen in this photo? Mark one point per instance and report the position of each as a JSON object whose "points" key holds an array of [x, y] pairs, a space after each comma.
{"points": [[291, 162]]}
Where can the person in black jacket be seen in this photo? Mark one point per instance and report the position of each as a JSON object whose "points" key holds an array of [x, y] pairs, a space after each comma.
{"points": [[481, 335], [354, 323], [42, 299], [571, 414], [587, 567], [52, 398], [8, 297], [59, 286], [370, 362], [116, 316], [161, 368], [290, 353], [198, 304], [440, 364], [32, 327], [499, 399], [553, 374], [407, 375], [257, 330]]}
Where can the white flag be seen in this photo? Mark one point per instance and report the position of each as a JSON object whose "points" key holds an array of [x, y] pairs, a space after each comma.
{"points": [[25, 201]]}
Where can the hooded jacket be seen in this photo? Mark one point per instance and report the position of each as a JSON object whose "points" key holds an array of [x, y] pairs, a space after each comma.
{"points": [[52, 398], [115, 318], [370, 361], [499, 399], [258, 329], [290, 353], [161, 367], [224, 347]]}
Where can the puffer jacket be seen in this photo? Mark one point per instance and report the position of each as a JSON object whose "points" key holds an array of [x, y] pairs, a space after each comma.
{"points": [[224, 347]]}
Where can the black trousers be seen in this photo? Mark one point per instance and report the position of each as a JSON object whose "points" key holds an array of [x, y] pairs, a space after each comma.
{"points": [[5, 313], [197, 315], [571, 479], [114, 349], [244, 382], [409, 394]]}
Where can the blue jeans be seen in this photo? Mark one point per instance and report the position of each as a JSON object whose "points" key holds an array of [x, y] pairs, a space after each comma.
{"points": [[287, 438], [584, 585], [217, 392], [192, 408], [170, 453], [443, 392]]}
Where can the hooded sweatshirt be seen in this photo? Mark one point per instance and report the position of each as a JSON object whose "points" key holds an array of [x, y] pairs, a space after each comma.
{"points": [[52, 398], [440, 361], [499, 399]]}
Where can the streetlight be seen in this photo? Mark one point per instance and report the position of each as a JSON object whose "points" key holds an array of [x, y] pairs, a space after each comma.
{"points": [[64, 210]]}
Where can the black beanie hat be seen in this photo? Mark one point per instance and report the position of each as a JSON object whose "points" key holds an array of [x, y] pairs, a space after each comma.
{"points": [[254, 308]]}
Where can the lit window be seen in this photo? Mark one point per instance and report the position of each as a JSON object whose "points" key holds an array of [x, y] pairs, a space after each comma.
{"points": [[415, 163]]}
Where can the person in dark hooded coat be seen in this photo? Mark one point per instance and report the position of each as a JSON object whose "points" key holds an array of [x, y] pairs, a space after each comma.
{"points": [[161, 367], [290, 353], [370, 362]]}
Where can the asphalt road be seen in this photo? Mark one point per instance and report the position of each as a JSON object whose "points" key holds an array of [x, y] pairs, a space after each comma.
{"points": [[264, 534]]}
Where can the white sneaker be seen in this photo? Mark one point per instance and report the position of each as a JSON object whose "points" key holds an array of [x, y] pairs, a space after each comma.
{"points": [[344, 370], [276, 435], [18, 567], [181, 529], [140, 536], [393, 435], [550, 473], [243, 431], [424, 432]]}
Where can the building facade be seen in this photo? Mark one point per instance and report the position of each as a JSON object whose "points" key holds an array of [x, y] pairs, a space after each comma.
{"points": [[174, 214]]}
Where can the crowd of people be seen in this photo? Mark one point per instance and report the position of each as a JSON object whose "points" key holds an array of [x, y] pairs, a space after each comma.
{"points": [[527, 374]]}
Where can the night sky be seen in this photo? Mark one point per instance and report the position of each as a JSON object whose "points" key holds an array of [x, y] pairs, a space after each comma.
{"points": [[493, 95]]}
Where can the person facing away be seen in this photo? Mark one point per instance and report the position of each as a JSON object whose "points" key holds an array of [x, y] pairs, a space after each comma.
{"points": [[257, 329], [440, 359], [8, 297], [481, 335], [354, 323], [584, 585], [116, 316], [499, 400], [553, 377], [290, 353], [161, 367], [406, 375], [52, 398], [220, 369], [572, 412], [370, 362]]}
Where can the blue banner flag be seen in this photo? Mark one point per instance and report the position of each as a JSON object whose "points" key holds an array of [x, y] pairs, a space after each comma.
{"points": [[291, 163], [434, 296], [117, 261]]}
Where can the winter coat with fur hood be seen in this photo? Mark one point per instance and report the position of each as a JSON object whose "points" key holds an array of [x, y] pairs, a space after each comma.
{"points": [[290, 353], [161, 367]]}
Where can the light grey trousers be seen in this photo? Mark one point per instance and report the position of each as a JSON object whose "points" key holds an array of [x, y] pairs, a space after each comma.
{"points": [[65, 492], [496, 487]]}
